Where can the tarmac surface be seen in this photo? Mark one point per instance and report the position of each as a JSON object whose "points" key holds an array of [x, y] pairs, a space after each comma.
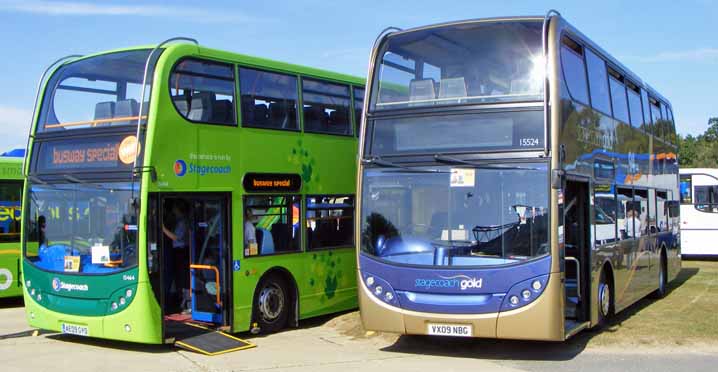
{"points": [[325, 344]]}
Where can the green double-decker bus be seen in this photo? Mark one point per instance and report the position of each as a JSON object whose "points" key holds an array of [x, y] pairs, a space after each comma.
{"points": [[10, 216], [181, 183]]}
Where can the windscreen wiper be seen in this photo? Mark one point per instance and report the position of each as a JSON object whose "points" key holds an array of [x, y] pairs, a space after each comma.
{"points": [[384, 163], [451, 160]]}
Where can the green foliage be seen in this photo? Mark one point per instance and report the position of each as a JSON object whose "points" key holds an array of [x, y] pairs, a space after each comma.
{"points": [[701, 151]]}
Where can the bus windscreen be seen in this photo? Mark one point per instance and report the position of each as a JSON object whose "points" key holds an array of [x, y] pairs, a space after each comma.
{"points": [[460, 64], [444, 216], [100, 91]]}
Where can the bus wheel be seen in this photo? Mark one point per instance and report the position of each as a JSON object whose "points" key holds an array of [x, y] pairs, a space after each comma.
{"points": [[660, 292], [605, 299], [271, 304]]}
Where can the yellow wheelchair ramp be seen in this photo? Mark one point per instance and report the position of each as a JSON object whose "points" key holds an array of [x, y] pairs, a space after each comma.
{"points": [[207, 341]]}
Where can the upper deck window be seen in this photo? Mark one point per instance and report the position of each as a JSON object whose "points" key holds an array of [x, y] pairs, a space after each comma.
{"points": [[326, 107], [101, 91], [203, 91], [468, 63], [269, 100], [598, 82], [574, 70]]}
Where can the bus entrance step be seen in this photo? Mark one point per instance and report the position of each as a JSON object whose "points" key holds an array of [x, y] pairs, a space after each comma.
{"points": [[207, 341]]}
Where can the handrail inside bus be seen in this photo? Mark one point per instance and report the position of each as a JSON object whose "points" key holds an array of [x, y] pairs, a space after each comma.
{"points": [[37, 97], [95, 121], [216, 277], [142, 101], [544, 44]]}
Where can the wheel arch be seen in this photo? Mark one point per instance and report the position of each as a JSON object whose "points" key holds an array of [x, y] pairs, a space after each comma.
{"points": [[293, 320]]}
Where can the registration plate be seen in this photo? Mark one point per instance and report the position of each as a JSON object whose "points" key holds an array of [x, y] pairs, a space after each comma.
{"points": [[459, 330], [75, 329]]}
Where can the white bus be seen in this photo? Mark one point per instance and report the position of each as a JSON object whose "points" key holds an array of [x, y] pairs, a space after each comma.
{"points": [[699, 211]]}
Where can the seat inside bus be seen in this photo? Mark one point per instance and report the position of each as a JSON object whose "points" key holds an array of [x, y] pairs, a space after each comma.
{"points": [[205, 107], [126, 108]]}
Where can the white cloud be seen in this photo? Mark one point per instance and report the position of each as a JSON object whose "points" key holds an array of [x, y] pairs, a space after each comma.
{"points": [[693, 55], [76, 8], [15, 125]]}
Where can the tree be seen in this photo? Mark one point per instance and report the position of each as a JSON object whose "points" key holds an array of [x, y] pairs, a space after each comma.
{"points": [[701, 151]]}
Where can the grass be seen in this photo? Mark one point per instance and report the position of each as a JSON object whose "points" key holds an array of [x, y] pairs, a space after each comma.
{"points": [[688, 315]]}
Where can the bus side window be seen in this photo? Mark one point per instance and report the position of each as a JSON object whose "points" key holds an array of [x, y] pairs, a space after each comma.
{"points": [[627, 226], [203, 91]]}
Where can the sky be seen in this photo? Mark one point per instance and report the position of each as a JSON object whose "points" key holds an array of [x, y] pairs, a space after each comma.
{"points": [[672, 45]]}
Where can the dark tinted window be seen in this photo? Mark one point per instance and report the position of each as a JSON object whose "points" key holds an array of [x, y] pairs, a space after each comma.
{"points": [[598, 82], [686, 189], [330, 221], [618, 99], [10, 211], [657, 120], [672, 126], [646, 111], [269, 100], [707, 198], [358, 107], [271, 224], [203, 91], [574, 71], [634, 107], [465, 132], [326, 107]]}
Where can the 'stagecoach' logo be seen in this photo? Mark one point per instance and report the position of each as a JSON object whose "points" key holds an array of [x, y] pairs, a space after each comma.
{"points": [[462, 282], [56, 284], [180, 168]]}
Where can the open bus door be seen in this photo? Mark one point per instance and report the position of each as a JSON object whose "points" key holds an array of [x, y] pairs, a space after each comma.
{"points": [[577, 254], [204, 269]]}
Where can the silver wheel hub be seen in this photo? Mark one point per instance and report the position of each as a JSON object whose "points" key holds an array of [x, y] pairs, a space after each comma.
{"points": [[604, 296], [271, 302]]}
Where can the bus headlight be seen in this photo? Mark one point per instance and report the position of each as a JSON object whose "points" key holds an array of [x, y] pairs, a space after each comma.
{"points": [[524, 292], [122, 301], [536, 285], [114, 306], [128, 293], [380, 288]]}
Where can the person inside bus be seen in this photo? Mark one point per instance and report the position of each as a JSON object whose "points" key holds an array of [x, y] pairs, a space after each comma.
{"points": [[250, 233], [179, 236], [41, 225], [632, 225]]}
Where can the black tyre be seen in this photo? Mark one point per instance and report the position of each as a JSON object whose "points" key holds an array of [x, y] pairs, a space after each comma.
{"points": [[605, 299], [271, 303], [662, 289]]}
